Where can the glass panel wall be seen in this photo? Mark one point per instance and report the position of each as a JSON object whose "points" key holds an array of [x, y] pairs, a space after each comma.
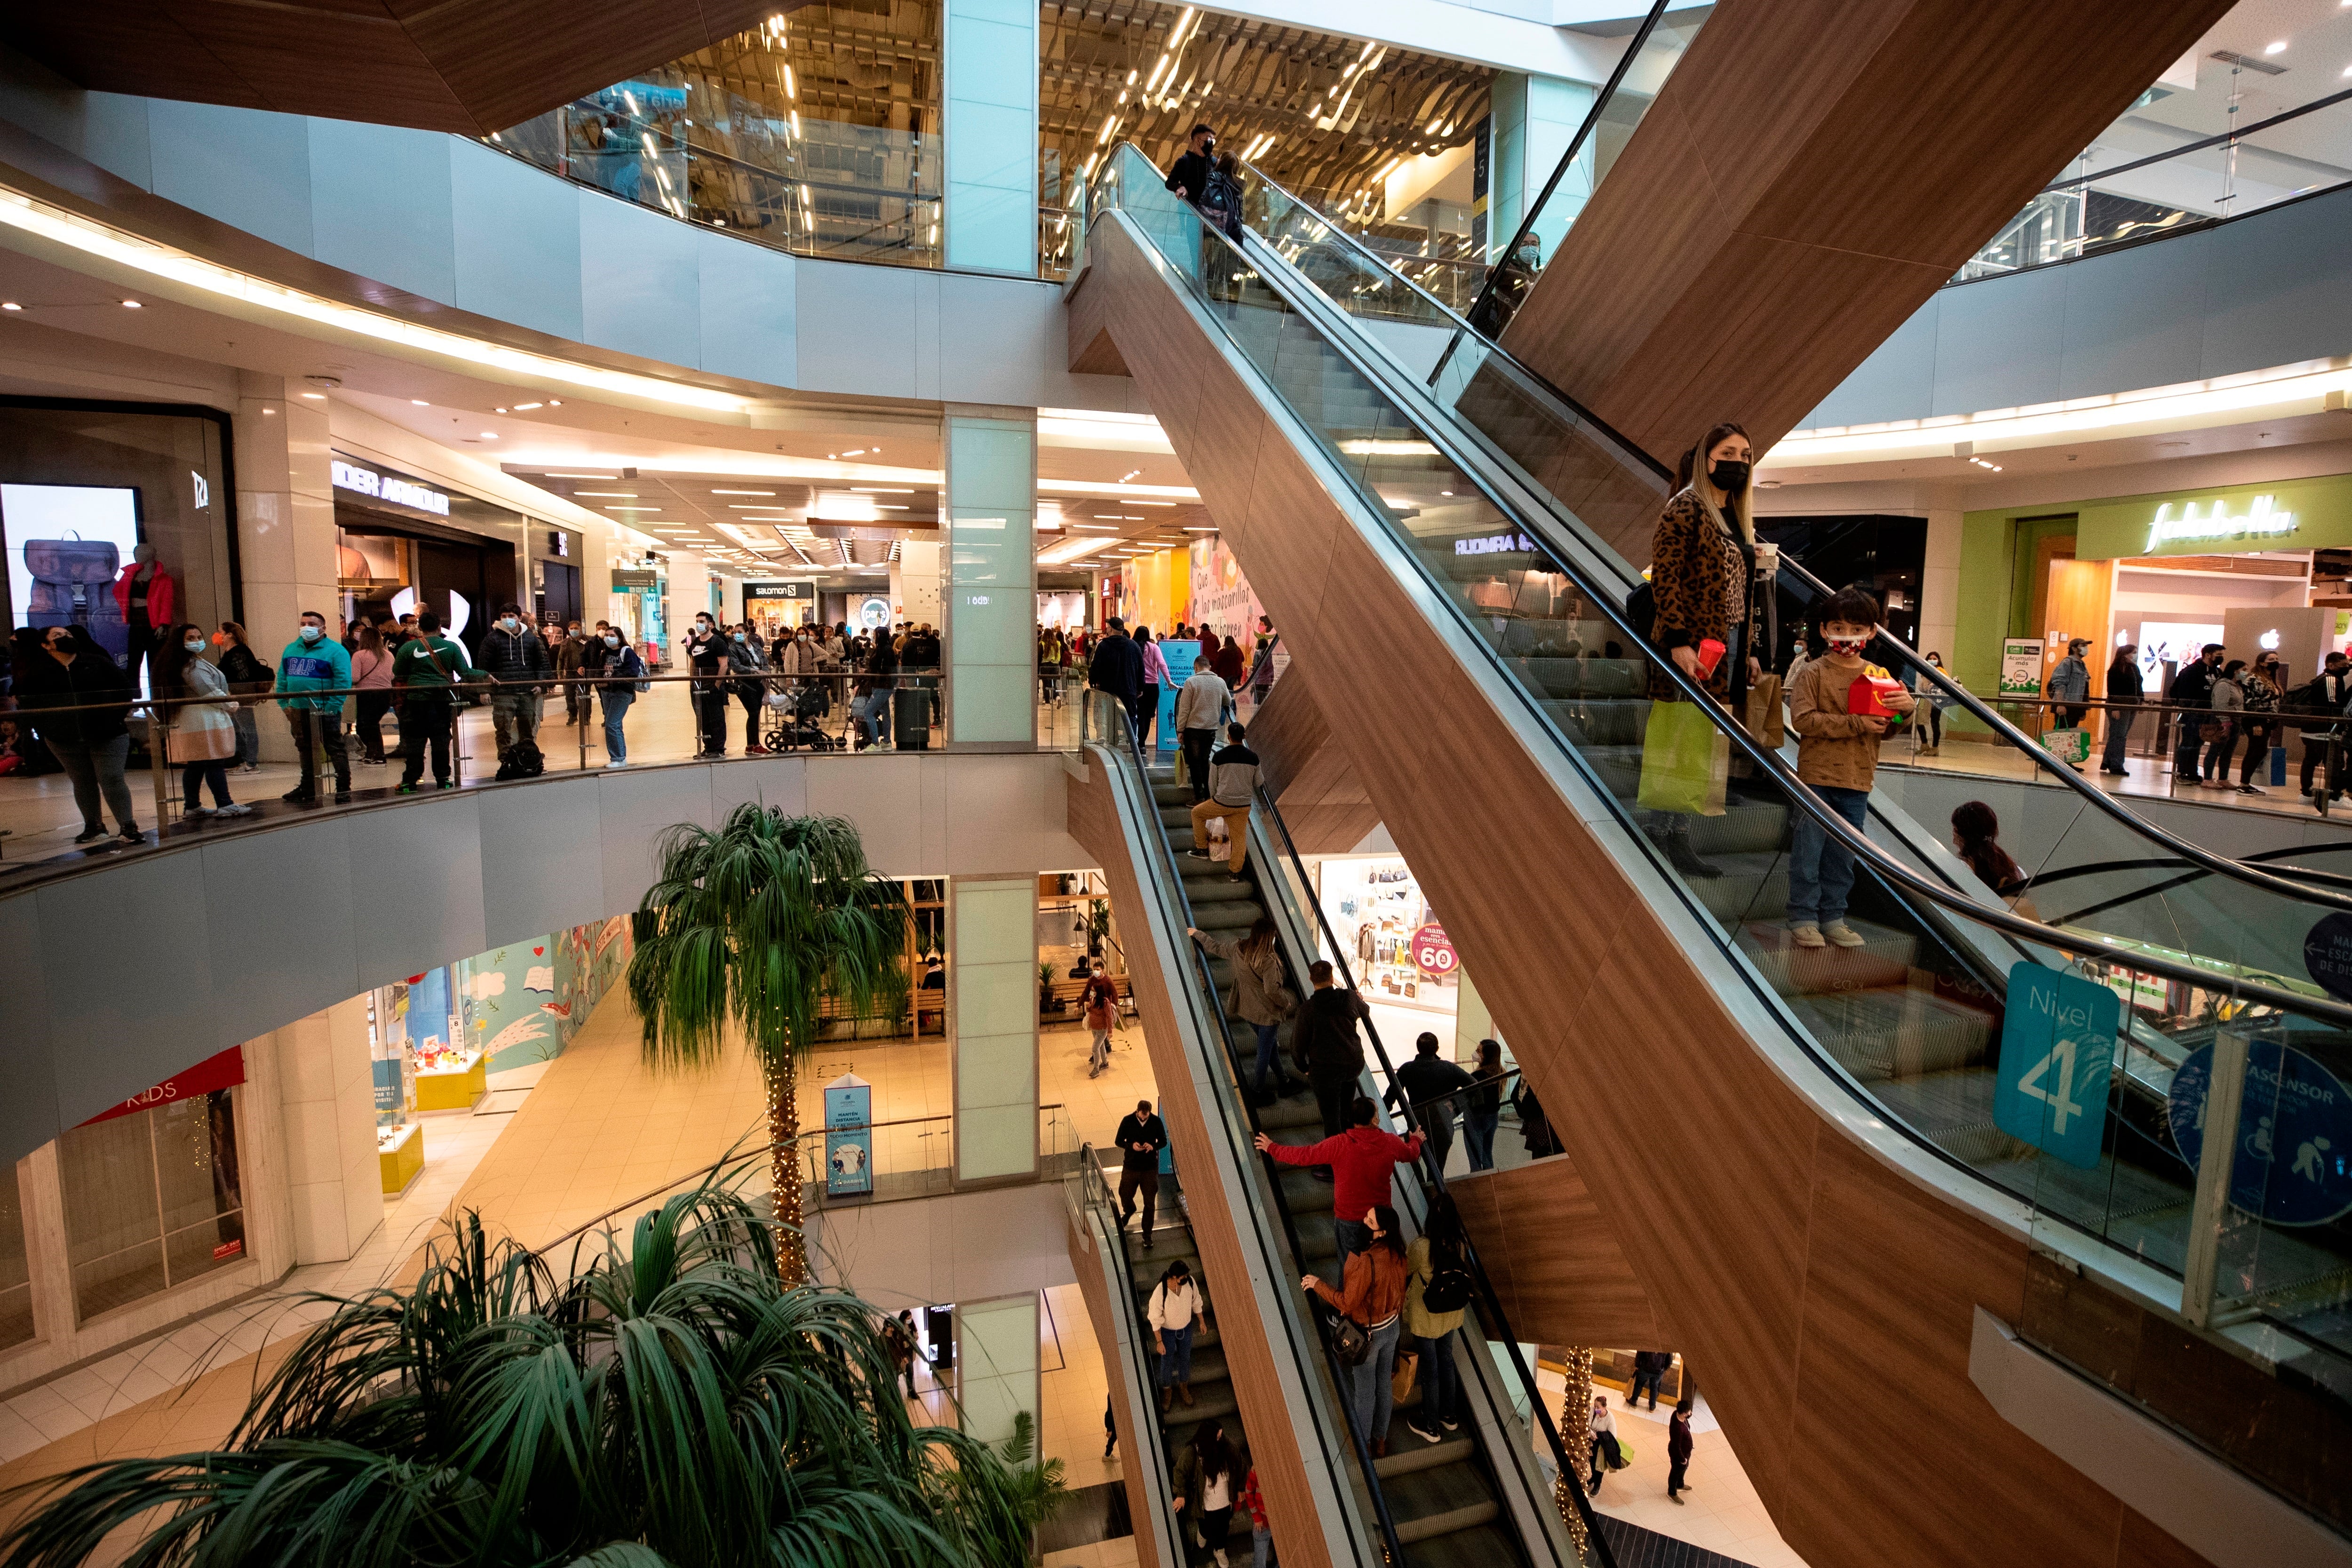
{"points": [[153, 1200]]}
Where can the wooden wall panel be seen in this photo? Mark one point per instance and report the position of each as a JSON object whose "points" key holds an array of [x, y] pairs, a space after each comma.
{"points": [[1307, 772], [1093, 818], [469, 67], [1717, 1218], [1099, 1309], [1554, 1261], [1785, 206]]}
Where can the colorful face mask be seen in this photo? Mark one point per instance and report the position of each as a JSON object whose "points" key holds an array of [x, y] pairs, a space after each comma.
{"points": [[1848, 648]]}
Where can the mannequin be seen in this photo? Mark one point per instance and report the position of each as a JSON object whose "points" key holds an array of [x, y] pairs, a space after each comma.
{"points": [[144, 592]]}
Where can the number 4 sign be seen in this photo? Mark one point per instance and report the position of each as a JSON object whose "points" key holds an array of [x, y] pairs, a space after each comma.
{"points": [[2057, 1053]]}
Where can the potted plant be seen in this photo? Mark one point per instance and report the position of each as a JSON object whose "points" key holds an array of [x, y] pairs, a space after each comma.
{"points": [[1048, 1004]]}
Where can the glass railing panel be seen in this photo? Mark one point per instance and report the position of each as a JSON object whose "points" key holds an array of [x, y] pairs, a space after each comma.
{"points": [[1914, 1019], [2125, 188]]}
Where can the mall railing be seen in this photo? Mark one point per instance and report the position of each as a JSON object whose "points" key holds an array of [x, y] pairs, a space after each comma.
{"points": [[795, 715], [2114, 199], [2200, 976]]}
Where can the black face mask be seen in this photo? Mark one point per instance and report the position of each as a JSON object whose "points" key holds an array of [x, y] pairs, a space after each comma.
{"points": [[1727, 476]]}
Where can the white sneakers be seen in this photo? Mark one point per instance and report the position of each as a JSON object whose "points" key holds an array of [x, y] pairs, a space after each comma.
{"points": [[622, 764], [1805, 934]]}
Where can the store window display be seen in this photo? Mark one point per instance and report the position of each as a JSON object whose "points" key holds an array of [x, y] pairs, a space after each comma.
{"points": [[1395, 945], [154, 1198]]}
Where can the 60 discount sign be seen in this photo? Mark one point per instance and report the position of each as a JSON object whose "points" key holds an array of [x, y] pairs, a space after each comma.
{"points": [[1433, 952]]}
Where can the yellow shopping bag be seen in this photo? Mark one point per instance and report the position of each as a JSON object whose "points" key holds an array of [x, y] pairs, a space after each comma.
{"points": [[1685, 760]]}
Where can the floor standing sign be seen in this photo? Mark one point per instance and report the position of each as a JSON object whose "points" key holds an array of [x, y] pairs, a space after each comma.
{"points": [[848, 1137], [2021, 666], [2057, 1054]]}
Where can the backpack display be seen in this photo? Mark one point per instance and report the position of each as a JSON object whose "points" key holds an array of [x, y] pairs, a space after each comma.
{"points": [[73, 585]]}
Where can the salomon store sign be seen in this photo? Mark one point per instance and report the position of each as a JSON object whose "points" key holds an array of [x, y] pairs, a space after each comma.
{"points": [[2057, 1053], [2295, 1132], [2231, 520]]}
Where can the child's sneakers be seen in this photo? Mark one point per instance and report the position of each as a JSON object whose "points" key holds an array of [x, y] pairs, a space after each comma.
{"points": [[1843, 934], [1807, 934]]}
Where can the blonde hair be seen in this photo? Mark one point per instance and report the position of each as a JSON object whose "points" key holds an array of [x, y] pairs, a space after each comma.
{"points": [[1742, 511]]}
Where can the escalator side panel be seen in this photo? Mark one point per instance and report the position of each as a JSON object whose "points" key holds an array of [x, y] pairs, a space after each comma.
{"points": [[1129, 1404], [1714, 1216], [1307, 770], [1565, 1282], [1250, 1353]]}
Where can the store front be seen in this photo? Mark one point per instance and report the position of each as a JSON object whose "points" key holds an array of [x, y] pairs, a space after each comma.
{"points": [[555, 555], [405, 543], [84, 486], [777, 607]]}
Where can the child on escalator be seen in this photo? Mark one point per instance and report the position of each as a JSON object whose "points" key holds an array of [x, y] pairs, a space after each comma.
{"points": [[1837, 755]]}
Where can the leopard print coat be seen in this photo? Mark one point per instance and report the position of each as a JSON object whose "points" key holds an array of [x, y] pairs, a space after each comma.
{"points": [[1700, 582]]}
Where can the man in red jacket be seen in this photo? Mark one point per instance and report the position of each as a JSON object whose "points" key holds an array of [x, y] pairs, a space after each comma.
{"points": [[1360, 1160]]}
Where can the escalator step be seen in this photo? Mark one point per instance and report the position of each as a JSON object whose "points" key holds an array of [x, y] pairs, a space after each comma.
{"points": [[1408, 1453], [1480, 1546], [1439, 1500]]}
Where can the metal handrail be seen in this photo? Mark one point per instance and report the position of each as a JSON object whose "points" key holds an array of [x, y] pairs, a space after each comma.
{"points": [[2240, 134], [1427, 1171], [1539, 521], [1094, 1197], [1172, 878]]}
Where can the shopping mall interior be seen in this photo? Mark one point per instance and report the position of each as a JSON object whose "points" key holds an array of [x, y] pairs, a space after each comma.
{"points": [[1093, 782]]}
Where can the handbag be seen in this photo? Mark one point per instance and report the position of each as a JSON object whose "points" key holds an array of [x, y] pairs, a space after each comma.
{"points": [[1765, 718], [1349, 1342], [201, 744], [2211, 731], [1686, 762], [1400, 1380]]}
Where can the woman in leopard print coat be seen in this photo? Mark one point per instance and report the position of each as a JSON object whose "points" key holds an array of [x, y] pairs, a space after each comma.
{"points": [[1702, 570]]}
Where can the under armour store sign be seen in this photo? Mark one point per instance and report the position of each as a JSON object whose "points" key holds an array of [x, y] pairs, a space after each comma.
{"points": [[2229, 519], [385, 486]]}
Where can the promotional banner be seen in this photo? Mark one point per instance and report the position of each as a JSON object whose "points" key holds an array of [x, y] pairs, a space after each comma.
{"points": [[848, 1137], [1221, 599], [2021, 666], [1180, 656]]}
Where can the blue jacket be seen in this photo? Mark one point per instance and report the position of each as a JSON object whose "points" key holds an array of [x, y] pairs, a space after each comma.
{"points": [[319, 666]]}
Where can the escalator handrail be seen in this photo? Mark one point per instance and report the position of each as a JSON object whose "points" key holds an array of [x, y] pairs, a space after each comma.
{"points": [[2098, 799], [1537, 523], [1600, 101], [1096, 1200], [1171, 876], [1487, 1295]]}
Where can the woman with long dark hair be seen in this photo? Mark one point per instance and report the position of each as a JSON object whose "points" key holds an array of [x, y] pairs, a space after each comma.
{"points": [[1258, 997], [1976, 838], [2124, 687], [1482, 1106], [1207, 1483], [1437, 1262], [1371, 1295], [247, 676], [371, 690], [204, 736], [90, 743]]}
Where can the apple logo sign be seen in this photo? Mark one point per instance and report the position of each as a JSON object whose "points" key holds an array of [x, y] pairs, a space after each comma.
{"points": [[2270, 641]]}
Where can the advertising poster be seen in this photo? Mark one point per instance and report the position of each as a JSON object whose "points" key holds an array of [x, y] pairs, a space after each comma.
{"points": [[1221, 599], [66, 545], [848, 1137], [1182, 656], [2021, 666]]}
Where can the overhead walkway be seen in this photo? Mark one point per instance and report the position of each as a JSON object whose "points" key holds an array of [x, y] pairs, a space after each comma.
{"points": [[1839, 1164]]}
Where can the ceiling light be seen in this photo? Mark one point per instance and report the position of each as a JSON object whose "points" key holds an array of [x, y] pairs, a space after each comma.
{"points": [[742, 492], [498, 411], [881, 490], [2277, 48], [490, 435], [319, 395], [10, 305], [633, 509], [131, 304], [1094, 528], [556, 475], [420, 402], [1190, 529], [523, 408], [859, 453], [616, 495]]}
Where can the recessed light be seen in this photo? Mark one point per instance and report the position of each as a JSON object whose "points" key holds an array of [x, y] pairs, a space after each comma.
{"points": [[519, 407], [498, 411], [552, 475], [555, 403], [10, 305], [742, 492], [612, 495], [319, 395], [420, 402], [131, 304], [490, 435], [2276, 48]]}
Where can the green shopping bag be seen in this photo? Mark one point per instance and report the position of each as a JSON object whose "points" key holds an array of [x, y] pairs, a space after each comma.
{"points": [[1685, 760]]}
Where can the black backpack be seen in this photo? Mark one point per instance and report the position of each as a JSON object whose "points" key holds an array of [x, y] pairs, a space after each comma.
{"points": [[523, 760], [1449, 1286], [1221, 201]]}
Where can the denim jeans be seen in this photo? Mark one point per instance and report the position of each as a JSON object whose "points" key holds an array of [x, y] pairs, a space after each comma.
{"points": [[1261, 1547], [872, 713], [2119, 728], [1478, 1132], [1820, 873], [616, 708], [1269, 1063], [1372, 1397], [1176, 1361], [1441, 1383], [1353, 1236]]}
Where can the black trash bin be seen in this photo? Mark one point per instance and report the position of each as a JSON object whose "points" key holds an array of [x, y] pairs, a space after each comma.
{"points": [[911, 722]]}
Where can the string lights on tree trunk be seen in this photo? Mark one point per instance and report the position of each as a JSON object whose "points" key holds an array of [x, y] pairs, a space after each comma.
{"points": [[1575, 1442]]}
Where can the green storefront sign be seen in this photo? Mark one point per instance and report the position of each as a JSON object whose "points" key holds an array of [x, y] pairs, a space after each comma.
{"points": [[2228, 519]]}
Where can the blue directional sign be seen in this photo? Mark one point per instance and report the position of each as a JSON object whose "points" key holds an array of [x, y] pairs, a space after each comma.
{"points": [[2057, 1054], [2295, 1132], [848, 1136]]}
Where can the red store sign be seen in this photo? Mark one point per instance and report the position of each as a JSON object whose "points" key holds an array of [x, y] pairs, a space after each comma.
{"points": [[223, 1071]]}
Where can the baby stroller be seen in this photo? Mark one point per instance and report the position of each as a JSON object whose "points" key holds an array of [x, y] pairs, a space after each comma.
{"points": [[799, 720]]}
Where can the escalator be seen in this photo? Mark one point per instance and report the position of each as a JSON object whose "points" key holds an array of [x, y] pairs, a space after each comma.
{"points": [[1479, 1496], [1442, 556]]}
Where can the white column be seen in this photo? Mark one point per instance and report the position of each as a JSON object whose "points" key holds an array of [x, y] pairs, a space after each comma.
{"points": [[327, 1102], [1535, 118], [286, 523], [992, 572], [993, 1003], [990, 120], [997, 1366], [1939, 584], [915, 582]]}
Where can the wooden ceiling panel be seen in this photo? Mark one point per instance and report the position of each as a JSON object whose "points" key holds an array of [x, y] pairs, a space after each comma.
{"points": [[470, 67]]}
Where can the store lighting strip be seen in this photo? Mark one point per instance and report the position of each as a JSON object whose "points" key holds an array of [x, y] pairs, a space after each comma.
{"points": [[2187, 405], [23, 214]]}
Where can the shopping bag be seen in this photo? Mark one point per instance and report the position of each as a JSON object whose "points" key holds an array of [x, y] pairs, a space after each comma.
{"points": [[1686, 762], [1623, 1456], [1764, 717], [2068, 745], [1400, 1380]]}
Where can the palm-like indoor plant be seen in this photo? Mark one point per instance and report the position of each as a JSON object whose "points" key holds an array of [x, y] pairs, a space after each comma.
{"points": [[759, 919], [668, 1400]]}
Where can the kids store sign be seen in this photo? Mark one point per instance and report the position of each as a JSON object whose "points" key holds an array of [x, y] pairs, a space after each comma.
{"points": [[2287, 514]]}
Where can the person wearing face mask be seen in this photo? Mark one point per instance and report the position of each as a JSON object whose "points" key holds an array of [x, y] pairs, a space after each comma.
{"points": [[91, 745], [620, 671], [1837, 755], [425, 672], [707, 653], [514, 656], [745, 656], [202, 736], [571, 650], [315, 663], [1704, 572]]}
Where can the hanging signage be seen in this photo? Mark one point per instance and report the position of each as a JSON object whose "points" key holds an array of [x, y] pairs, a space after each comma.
{"points": [[2057, 1054], [805, 592], [2021, 666], [631, 578], [223, 1071], [2295, 1133], [848, 1136], [1432, 951], [385, 486]]}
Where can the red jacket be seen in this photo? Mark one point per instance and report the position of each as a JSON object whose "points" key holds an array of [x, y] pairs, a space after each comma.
{"points": [[159, 596], [1360, 1160]]}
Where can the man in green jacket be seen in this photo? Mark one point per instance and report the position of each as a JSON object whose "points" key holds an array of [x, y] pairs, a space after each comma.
{"points": [[425, 672]]}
